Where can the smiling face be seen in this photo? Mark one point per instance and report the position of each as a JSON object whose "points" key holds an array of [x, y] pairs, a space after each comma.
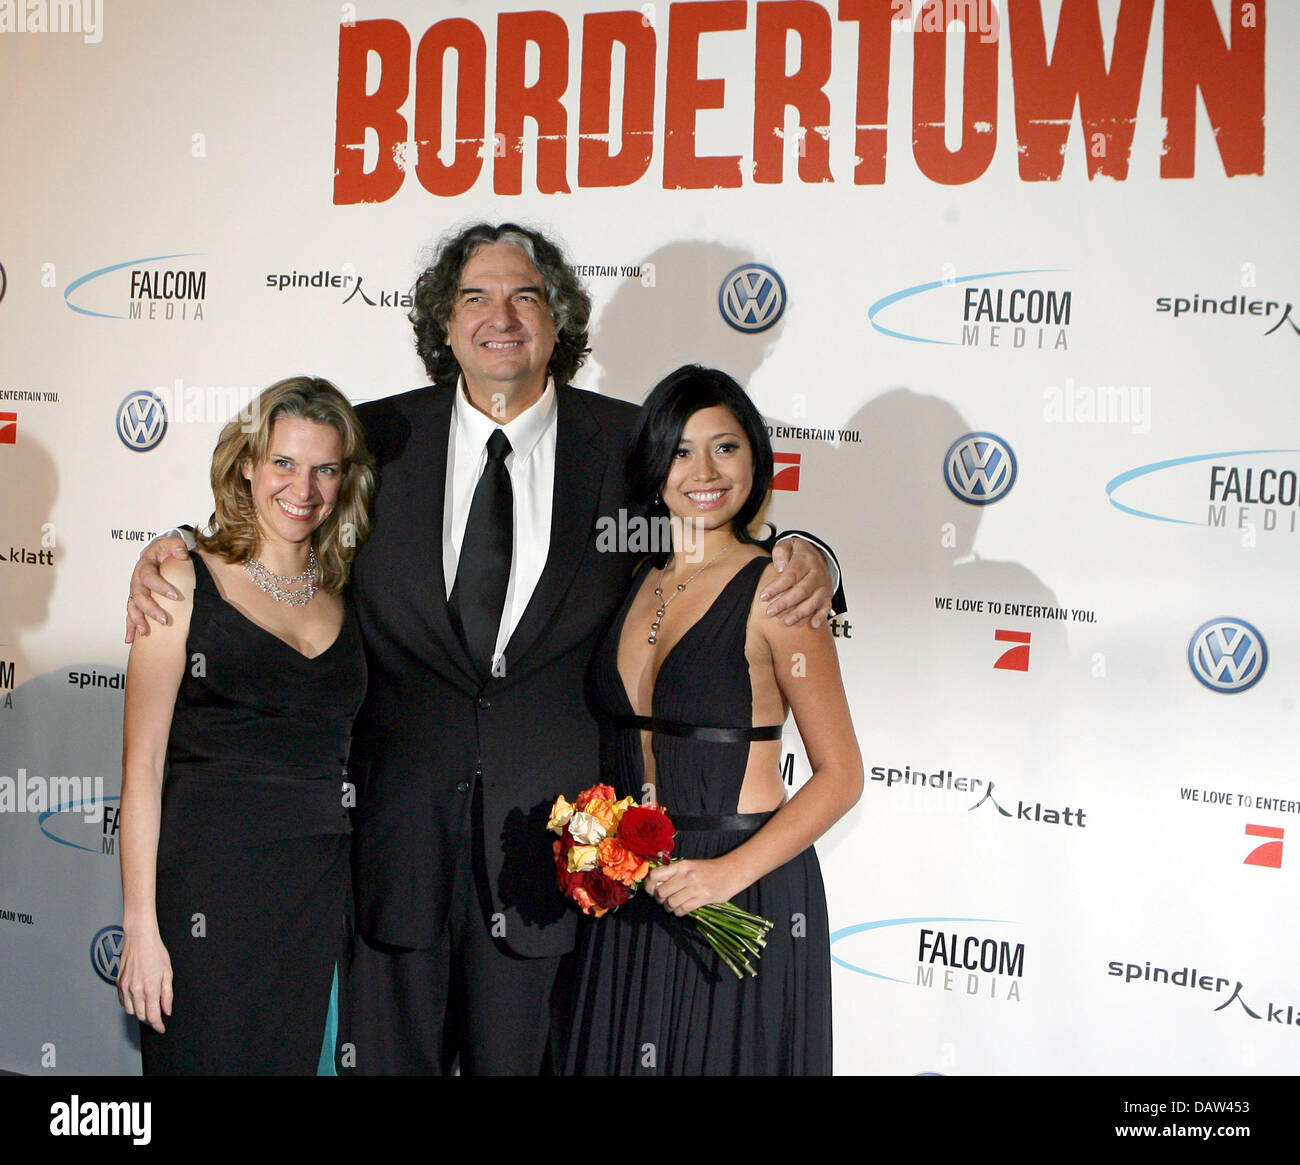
{"points": [[296, 485], [500, 330], [712, 470]]}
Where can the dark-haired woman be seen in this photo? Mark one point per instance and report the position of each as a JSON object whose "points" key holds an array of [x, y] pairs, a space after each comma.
{"points": [[235, 878], [692, 685]]}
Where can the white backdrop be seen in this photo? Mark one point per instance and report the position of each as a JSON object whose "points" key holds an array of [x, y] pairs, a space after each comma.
{"points": [[1100, 818]]}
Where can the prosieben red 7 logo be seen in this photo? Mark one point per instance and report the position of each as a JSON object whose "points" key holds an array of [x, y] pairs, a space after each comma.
{"points": [[1015, 658], [787, 471], [1268, 854]]}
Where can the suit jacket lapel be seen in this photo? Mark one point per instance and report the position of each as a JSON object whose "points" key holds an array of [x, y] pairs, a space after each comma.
{"points": [[580, 463], [431, 483]]}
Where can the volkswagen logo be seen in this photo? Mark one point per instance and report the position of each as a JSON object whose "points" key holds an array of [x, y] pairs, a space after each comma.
{"points": [[979, 468], [106, 953], [141, 421], [752, 298], [1227, 655], [4, 281]]}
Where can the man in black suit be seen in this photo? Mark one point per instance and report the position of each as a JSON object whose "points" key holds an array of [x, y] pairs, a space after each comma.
{"points": [[475, 717]]}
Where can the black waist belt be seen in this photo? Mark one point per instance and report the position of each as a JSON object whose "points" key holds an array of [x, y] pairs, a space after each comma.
{"points": [[732, 822], [700, 731]]}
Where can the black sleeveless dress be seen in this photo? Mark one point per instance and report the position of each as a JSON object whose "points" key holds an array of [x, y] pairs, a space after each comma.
{"points": [[253, 888], [650, 998]]}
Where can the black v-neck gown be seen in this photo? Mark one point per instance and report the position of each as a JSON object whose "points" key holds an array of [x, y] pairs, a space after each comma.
{"points": [[650, 998], [253, 886]]}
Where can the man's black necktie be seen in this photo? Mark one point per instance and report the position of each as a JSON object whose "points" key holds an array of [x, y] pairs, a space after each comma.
{"points": [[483, 572]]}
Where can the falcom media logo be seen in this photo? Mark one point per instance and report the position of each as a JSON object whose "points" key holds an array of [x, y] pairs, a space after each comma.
{"points": [[155, 289], [89, 824], [1227, 655], [1255, 492], [931, 952], [994, 309], [980, 468], [752, 298]]}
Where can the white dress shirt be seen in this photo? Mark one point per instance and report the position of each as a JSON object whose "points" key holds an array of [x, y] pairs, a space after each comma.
{"points": [[531, 465]]}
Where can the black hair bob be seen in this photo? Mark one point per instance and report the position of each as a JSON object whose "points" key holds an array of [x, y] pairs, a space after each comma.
{"points": [[658, 434]]}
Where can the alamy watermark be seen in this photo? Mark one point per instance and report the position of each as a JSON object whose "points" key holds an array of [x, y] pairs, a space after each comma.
{"points": [[636, 534], [210, 404], [1103, 404], [76, 16], [30, 793]]}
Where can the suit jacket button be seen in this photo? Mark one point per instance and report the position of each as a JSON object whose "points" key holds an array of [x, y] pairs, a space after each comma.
{"points": [[484, 702], [462, 786]]}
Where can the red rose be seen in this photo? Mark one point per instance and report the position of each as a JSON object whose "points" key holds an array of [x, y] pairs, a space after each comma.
{"points": [[605, 892], [647, 832], [595, 893], [563, 878]]}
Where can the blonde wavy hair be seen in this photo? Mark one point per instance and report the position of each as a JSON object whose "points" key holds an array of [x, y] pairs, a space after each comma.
{"points": [[233, 533]]}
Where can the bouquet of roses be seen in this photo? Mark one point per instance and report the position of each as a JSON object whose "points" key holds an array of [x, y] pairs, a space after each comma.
{"points": [[606, 848]]}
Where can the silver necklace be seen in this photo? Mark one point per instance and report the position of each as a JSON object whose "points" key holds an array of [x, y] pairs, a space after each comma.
{"points": [[277, 586], [659, 593]]}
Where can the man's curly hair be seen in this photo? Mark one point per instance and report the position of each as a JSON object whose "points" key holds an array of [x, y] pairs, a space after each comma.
{"points": [[435, 296]]}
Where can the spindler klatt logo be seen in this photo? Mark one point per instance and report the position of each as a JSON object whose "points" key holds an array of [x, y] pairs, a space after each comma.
{"points": [[156, 289], [940, 953], [1269, 316], [26, 556], [347, 286], [1254, 493], [1222, 991], [1033, 813], [996, 309], [942, 781]]}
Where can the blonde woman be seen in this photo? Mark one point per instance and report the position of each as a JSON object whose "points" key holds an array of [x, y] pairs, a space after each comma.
{"points": [[235, 879]]}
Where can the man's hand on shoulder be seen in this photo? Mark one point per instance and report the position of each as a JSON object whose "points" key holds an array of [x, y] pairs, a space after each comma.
{"points": [[803, 587], [147, 580]]}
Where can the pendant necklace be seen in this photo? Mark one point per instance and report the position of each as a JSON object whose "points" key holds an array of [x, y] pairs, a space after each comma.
{"points": [[278, 587], [659, 593]]}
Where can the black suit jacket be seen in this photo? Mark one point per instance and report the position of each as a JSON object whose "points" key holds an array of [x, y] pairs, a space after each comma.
{"points": [[430, 729]]}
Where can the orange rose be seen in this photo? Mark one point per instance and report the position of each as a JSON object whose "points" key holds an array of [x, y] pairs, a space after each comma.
{"points": [[620, 863], [603, 811], [604, 792]]}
